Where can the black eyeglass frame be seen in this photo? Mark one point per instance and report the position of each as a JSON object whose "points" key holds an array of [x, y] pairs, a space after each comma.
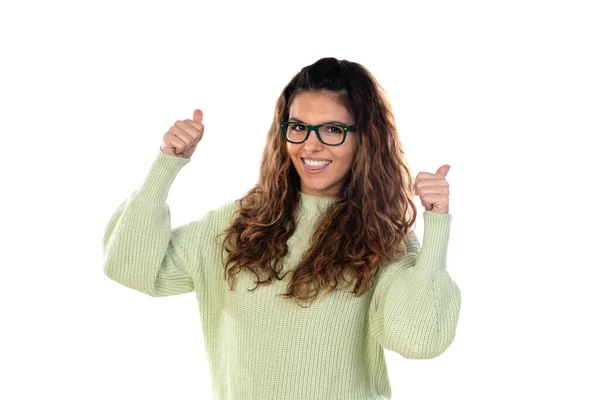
{"points": [[345, 128]]}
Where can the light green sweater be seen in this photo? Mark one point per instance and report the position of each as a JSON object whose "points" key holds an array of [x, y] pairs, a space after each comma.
{"points": [[265, 347]]}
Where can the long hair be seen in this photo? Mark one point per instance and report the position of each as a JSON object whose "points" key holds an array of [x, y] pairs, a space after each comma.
{"points": [[366, 227]]}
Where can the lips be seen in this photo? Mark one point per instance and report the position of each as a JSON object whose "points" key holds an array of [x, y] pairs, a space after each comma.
{"points": [[314, 169]]}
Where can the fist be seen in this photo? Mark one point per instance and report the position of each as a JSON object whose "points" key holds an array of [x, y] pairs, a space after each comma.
{"points": [[181, 139], [434, 190]]}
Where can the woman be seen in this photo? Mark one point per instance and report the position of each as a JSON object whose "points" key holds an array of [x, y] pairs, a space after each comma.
{"points": [[330, 219]]}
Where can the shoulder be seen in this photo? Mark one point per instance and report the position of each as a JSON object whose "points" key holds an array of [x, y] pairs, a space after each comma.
{"points": [[224, 213], [205, 232], [217, 219], [404, 259], [413, 245]]}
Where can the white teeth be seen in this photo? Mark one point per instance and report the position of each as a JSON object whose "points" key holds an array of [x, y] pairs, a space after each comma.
{"points": [[316, 163]]}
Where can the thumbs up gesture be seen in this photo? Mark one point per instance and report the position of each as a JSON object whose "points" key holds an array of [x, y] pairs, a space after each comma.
{"points": [[181, 139], [434, 190]]}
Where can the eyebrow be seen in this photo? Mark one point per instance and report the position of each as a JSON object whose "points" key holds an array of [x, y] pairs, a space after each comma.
{"points": [[329, 122]]}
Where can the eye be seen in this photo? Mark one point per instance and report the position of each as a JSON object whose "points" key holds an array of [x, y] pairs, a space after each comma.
{"points": [[335, 129], [294, 126]]}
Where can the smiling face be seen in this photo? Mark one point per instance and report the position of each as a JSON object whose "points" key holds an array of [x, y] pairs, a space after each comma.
{"points": [[317, 108]]}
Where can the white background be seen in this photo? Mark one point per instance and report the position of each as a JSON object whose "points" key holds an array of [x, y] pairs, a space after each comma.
{"points": [[506, 92]]}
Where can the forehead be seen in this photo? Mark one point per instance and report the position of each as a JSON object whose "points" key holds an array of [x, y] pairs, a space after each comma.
{"points": [[316, 106]]}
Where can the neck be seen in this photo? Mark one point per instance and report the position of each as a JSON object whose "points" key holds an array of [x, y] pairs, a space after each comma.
{"points": [[314, 203]]}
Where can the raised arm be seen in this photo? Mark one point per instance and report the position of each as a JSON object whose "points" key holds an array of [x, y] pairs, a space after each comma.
{"points": [[140, 249], [415, 307]]}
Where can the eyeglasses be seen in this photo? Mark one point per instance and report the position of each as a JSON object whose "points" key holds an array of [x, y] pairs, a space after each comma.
{"points": [[328, 134]]}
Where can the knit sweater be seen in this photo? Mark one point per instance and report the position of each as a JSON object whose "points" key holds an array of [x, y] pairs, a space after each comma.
{"points": [[263, 346]]}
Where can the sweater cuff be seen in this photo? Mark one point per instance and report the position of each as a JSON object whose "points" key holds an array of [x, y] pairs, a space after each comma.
{"points": [[158, 182], [436, 234]]}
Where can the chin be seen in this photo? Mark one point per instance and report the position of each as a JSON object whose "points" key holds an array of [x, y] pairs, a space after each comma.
{"points": [[322, 190]]}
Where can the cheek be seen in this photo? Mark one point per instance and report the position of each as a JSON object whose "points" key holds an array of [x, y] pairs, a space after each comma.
{"points": [[291, 149], [348, 161], [346, 157]]}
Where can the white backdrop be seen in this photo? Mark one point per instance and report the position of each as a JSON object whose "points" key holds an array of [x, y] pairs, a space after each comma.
{"points": [[506, 92]]}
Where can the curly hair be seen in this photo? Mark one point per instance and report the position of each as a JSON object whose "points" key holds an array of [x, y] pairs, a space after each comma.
{"points": [[366, 227]]}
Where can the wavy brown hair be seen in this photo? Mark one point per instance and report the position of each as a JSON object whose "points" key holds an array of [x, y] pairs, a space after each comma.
{"points": [[366, 227]]}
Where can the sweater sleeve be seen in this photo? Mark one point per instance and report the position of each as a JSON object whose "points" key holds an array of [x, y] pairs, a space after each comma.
{"points": [[140, 250], [415, 306]]}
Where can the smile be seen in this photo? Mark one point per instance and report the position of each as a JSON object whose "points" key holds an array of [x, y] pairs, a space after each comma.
{"points": [[314, 167]]}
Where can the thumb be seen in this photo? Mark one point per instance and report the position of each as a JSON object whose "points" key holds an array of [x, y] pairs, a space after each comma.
{"points": [[443, 170], [198, 115]]}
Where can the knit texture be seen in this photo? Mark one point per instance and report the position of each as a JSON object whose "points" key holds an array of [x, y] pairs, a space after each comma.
{"points": [[262, 346]]}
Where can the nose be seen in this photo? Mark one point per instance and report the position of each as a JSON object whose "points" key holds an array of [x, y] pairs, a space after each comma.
{"points": [[312, 142]]}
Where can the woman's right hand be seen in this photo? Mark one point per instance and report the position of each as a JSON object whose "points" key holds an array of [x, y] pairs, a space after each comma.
{"points": [[181, 139]]}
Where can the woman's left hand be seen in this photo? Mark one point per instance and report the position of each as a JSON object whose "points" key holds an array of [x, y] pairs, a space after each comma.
{"points": [[434, 190]]}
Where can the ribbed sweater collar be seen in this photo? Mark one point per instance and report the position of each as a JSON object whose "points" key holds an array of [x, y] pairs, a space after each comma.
{"points": [[316, 204]]}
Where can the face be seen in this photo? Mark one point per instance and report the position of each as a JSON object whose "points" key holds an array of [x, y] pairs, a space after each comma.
{"points": [[317, 108]]}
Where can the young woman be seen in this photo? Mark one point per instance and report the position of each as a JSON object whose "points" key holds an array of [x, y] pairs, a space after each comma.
{"points": [[305, 280]]}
